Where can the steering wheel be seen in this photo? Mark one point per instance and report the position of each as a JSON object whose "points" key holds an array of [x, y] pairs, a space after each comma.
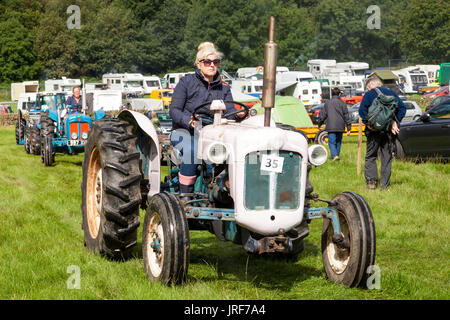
{"points": [[239, 119]]}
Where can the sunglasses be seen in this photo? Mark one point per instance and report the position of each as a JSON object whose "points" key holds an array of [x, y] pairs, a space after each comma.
{"points": [[208, 62]]}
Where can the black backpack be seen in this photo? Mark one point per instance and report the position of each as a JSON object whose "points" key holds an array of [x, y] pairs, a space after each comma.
{"points": [[381, 112]]}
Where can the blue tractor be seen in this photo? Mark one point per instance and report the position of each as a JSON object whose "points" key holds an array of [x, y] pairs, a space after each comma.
{"points": [[62, 130], [28, 132]]}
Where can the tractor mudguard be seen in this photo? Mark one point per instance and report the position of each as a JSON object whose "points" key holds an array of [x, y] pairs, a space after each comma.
{"points": [[99, 114], [148, 146]]}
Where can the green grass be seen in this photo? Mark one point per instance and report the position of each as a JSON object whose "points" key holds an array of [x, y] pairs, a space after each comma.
{"points": [[41, 236]]}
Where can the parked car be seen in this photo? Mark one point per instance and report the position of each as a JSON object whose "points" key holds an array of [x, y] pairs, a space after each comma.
{"points": [[5, 108], [439, 92], [426, 138], [314, 113], [413, 111], [353, 112], [437, 101]]}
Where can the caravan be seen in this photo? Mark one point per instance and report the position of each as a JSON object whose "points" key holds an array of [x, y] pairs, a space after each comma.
{"points": [[99, 97], [243, 73], [411, 79], [151, 83], [130, 84], [252, 87], [62, 85], [171, 79], [24, 89], [299, 84], [341, 73]]}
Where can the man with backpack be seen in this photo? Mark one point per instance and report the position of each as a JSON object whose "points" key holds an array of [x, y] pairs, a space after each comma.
{"points": [[381, 110]]}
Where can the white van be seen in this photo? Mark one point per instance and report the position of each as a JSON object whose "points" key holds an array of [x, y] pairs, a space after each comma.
{"points": [[308, 92], [130, 84], [151, 83]]}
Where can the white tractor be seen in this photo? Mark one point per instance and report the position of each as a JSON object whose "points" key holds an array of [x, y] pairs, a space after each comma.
{"points": [[252, 189]]}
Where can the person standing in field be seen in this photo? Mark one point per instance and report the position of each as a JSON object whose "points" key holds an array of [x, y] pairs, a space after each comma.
{"points": [[335, 115], [381, 140]]}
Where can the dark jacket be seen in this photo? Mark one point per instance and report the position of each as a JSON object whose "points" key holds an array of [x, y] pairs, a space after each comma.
{"points": [[368, 98], [76, 106], [335, 114], [193, 90]]}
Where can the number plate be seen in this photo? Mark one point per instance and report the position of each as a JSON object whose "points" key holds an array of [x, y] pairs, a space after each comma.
{"points": [[76, 142], [272, 163]]}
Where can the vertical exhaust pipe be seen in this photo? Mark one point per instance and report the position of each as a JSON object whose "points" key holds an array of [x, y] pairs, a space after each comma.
{"points": [[270, 71], [83, 99]]}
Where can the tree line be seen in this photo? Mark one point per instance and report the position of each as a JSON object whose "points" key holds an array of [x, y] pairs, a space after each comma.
{"points": [[42, 39]]}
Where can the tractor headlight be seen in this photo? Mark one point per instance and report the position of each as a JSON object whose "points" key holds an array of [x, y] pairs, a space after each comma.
{"points": [[217, 153], [84, 135], [74, 136], [317, 154]]}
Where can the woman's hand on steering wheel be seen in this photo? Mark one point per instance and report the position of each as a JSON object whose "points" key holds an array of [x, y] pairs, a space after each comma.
{"points": [[241, 114]]}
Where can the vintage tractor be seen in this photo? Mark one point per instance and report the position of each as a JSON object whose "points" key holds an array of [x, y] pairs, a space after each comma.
{"points": [[63, 131], [252, 189], [28, 132]]}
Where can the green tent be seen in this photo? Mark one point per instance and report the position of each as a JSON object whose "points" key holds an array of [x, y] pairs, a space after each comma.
{"points": [[288, 110]]}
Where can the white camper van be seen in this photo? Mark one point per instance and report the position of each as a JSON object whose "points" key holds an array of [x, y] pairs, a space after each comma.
{"points": [[299, 85], [130, 84], [251, 86], [250, 71], [341, 73], [151, 83], [29, 88], [63, 85], [99, 97], [171, 79], [411, 79], [430, 70]]}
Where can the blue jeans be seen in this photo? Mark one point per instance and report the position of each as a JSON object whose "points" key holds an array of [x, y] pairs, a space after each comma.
{"points": [[187, 145], [334, 142]]}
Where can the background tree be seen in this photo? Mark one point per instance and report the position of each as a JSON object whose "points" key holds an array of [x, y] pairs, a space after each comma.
{"points": [[425, 35]]}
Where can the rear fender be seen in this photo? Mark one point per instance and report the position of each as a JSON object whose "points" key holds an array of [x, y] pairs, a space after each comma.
{"points": [[148, 146]]}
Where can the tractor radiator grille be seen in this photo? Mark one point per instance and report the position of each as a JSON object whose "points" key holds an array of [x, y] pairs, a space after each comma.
{"points": [[79, 127], [272, 190]]}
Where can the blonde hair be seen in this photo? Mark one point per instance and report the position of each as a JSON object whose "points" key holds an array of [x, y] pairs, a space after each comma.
{"points": [[205, 49]]}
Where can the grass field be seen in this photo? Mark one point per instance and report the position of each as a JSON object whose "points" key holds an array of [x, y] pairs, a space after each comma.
{"points": [[41, 239]]}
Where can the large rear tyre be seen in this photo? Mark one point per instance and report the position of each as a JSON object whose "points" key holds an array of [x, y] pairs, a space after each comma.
{"points": [[348, 262], [165, 242], [111, 189]]}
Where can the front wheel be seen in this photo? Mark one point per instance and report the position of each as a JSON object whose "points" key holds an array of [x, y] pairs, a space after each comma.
{"points": [[35, 141], [20, 128], [347, 262], [27, 137], [47, 154], [165, 240]]}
